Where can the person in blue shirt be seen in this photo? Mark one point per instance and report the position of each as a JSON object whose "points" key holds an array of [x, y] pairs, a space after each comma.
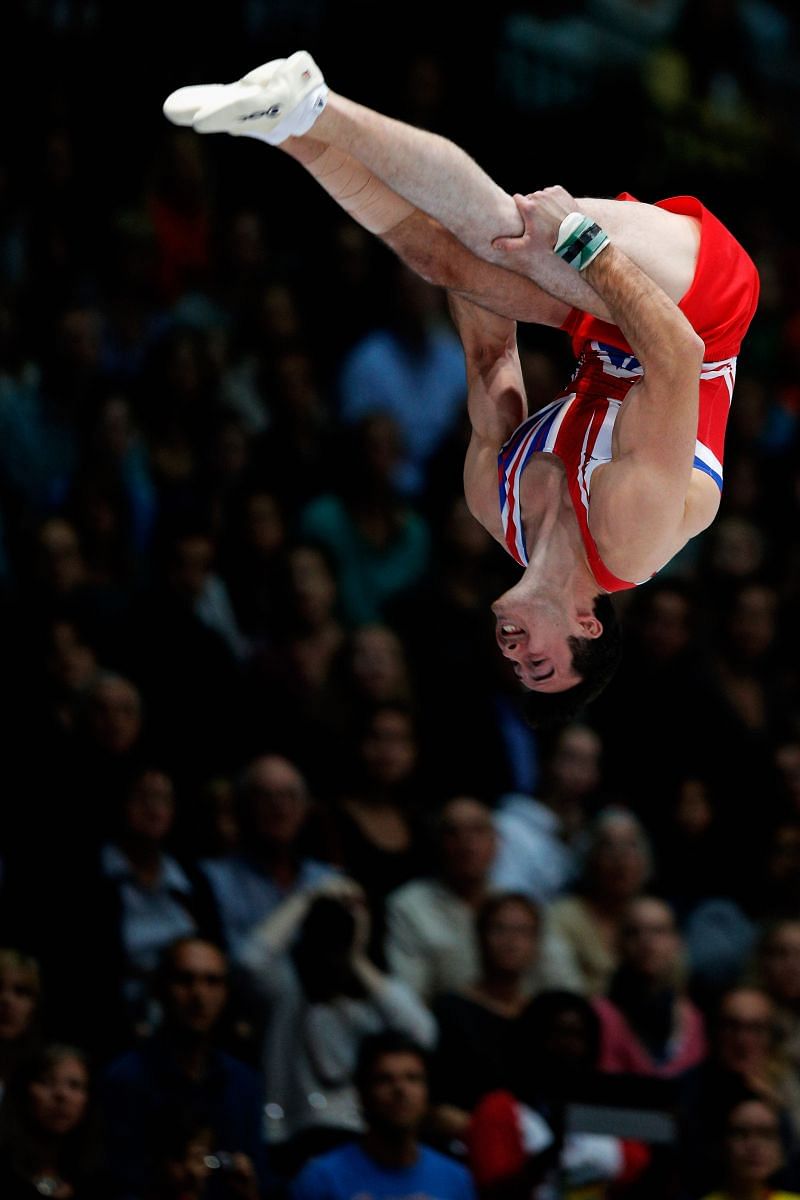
{"points": [[388, 1162], [274, 806]]}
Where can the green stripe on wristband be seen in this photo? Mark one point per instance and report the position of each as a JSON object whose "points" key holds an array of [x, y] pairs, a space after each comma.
{"points": [[581, 241]]}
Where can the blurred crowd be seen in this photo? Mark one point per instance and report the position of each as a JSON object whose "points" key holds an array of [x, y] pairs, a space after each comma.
{"points": [[292, 900]]}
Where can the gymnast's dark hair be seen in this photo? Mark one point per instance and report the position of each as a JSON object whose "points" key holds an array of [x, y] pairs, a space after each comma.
{"points": [[595, 659]]}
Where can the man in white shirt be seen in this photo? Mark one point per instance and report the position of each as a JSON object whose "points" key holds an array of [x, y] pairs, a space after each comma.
{"points": [[431, 941]]}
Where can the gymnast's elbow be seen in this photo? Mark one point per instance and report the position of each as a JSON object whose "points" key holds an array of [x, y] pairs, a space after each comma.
{"points": [[678, 354]]}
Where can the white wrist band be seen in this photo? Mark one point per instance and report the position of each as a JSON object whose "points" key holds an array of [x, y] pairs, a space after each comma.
{"points": [[580, 240]]}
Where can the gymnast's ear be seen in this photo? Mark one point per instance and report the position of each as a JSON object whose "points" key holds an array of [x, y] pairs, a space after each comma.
{"points": [[591, 627]]}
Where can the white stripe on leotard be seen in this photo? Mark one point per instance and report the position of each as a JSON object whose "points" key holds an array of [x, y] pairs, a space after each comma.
{"points": [[726, 367]]}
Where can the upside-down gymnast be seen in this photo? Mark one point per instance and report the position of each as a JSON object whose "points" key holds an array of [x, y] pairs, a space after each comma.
{"points": [[599, 489]]}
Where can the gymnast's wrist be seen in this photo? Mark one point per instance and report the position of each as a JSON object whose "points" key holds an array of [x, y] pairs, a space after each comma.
{"points": [[580, 240]]}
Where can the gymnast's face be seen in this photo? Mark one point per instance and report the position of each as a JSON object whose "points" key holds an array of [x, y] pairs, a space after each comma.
{"points": [[533, 634]]}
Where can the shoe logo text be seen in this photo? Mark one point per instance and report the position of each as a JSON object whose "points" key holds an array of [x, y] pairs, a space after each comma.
{"points": [[264, 112]]}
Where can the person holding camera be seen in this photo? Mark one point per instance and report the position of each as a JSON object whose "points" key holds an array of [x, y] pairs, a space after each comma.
{"points": [[190, 1165], [308, 963]]}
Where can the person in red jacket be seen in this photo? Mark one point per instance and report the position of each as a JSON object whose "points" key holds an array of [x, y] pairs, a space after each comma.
{"points": [[517, 1145]]}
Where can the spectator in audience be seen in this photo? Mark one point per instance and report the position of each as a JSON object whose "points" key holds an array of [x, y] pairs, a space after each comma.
{"points": [[616, 865], [723, 932], [70, 667], [181, 1069], [477, 1043], [719, 937], [97, 503], [749, 1042], [274, 808], [377, 823], [177, 391], [749, 669], [308, 961], [35, 442], [211, 828], [296, 453], [389, 1160], [251, 556], [779, 894], [380, 542], [776, 968], [20, 1005], [747, 1056], [649, 1025], [736, 554], [138, 899], [517, 1141], [291, 683], [227, 468], [114, 719], [116, 449], [242, 268], [187, 659], [189, 1164], [538, 836], [751, 1152], [110, 742], [690, 848], [431, 940], [192, 575], [355, 267], [179, 206], [665, 660], [413, 370], [62, 582], [750, 672], [374, 669], [442, 622], [49, 1143]]}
